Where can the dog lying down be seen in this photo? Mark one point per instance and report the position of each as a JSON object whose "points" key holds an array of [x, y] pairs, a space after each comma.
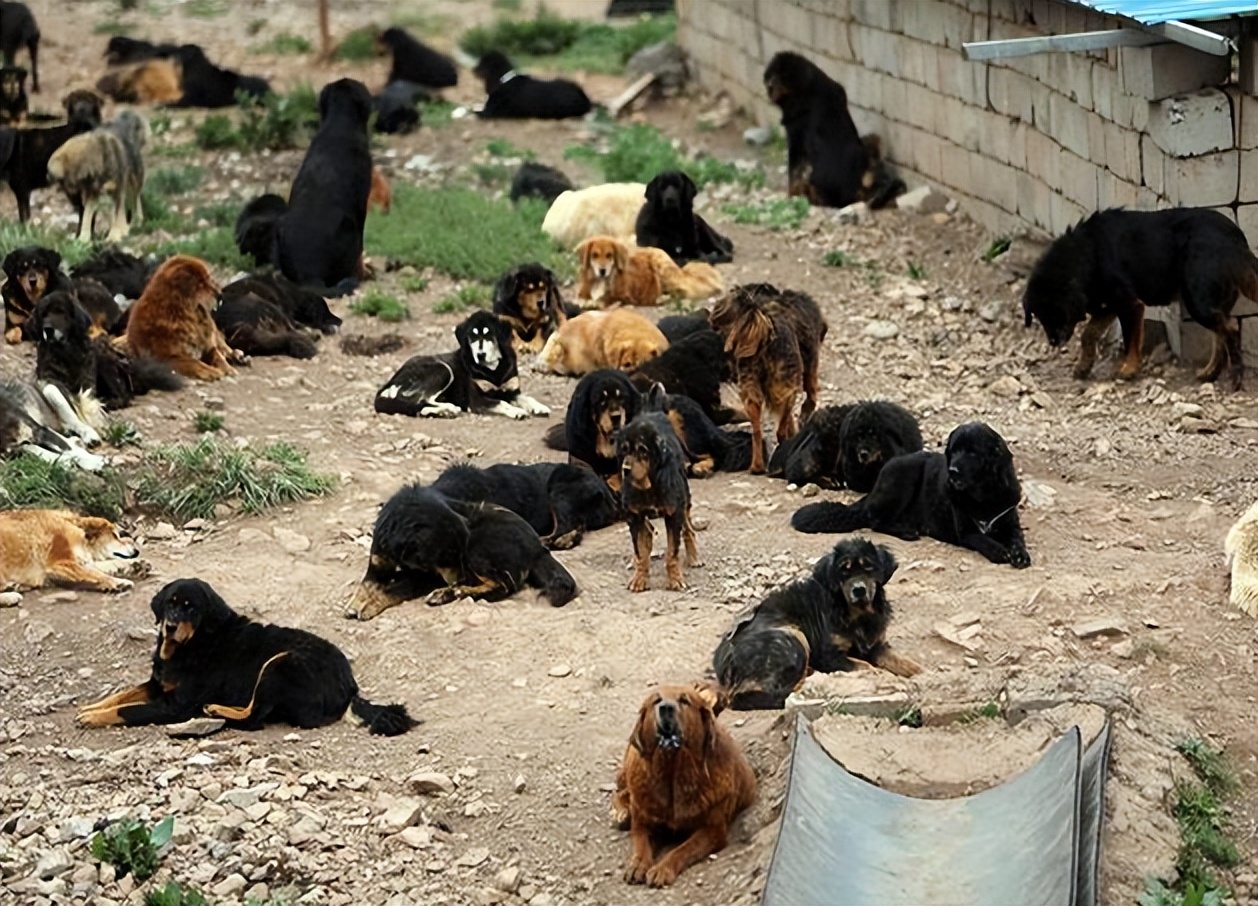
{"points": [[43, 547], [480, 376], [607, 210], [41, 422]]}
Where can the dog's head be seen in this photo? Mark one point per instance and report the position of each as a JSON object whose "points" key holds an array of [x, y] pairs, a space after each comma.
{"points": [[584, 493], [869, 436], [530, 291], [485, 343], [391, 39], [183, 609], [106, 541], [648, 451], [980, 468], [1054, 293], [82, 108], [186, 279], [788, 74], [740, 318], [673, 718], [12, 83], [345, 94], [308, 306], [672, 192], [610, 398], [602, 257], [491, 67], [60, 320], [856, 571], [31, 269]]}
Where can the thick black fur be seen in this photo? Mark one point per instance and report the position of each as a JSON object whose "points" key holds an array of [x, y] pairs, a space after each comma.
{"points": [[255, 326], [707, 448], [21, 269], [18, 29], [512, 95], [847, 446], [312, 685], [968, 496], [421, 536], [841, 610], [826, 160], [121, 50], [416, 62], [516, 301], [302, 305], [397, 111], [534, 180], [602, 403], [14, 103], [119, 272], [561, 501], [691, 366], [207, 85], [319, 241], [677, 327], [25, 165], [255, 227], [668, 221], [1115, 262], [653, 484]]}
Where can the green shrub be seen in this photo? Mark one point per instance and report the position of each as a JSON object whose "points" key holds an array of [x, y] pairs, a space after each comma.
{"points": [[470, 295], [567, 43], [274, 122], [15, 235], [207, 422], [175, 894], [379, 304], [174, 180], [216, 131], [27, 482], [637, 152], [215, 246], [131, 847], [775, 213], [357, 46]]}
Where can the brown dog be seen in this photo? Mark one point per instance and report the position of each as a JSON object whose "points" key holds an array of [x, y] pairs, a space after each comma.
{"points": [[773, 344], [682, 774], [172, 321], [56, 546], [157, 81], [639, 276], [618, 338]]}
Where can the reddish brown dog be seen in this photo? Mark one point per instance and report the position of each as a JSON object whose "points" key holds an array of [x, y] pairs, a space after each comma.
{"points": [[683, 775]]}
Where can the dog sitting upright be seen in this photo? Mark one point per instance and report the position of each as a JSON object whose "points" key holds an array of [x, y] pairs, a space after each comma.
{"points": [[527, 297], [480, 376], [821, 623], [668, 221]]}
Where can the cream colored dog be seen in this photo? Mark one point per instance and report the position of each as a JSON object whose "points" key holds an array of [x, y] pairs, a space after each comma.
{"points": [[607, 210], [1242, 550], [617, 338]]}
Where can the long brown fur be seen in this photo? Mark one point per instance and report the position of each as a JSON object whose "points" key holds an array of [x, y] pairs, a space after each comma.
{"points": [[639, 276], [696, 790], [773, 344], [148, 82], [56, 546], [618, 338], [172, 321]]}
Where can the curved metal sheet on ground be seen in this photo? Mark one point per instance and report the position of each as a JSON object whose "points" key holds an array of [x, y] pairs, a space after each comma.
{"points": [[846, 842]]}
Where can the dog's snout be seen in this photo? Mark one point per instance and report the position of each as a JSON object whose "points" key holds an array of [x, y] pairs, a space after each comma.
{"points": [[859, 591]]}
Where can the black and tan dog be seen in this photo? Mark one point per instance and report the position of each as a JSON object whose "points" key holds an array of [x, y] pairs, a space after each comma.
{"points": [[706, 447], [426, 545], [24, 153], [668, 221], [257, 326], [602, 403], [694, 366], [847, 446], [33, 272], [653, 484], [210, 660], [1115, 263], [14, 103], [480, 376], [527, 297], [836, 619], [968, 496]]}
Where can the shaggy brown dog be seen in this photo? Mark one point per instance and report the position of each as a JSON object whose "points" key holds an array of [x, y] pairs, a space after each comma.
{"points": [[639, 276], [43, 546], [618, 338], [157, 81], [773, 344], [172, 321], [683, 774]]}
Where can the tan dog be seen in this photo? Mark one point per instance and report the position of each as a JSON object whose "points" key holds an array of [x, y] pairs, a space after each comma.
{"points": [[172, 321], [147, 82], [682, 774], [1242, 549], [607, 210], [592, 340], [43, 546], [615, 273]]}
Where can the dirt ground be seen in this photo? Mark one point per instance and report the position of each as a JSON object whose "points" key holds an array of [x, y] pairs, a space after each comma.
{"points": [[526, 708]]}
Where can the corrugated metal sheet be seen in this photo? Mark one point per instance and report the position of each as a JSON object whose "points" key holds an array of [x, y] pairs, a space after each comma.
{"points": [[1153, 12]]}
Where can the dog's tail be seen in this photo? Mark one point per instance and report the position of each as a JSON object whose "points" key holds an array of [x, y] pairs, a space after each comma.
{"points": [[557, 437], [830, 517], [879, 184], [256, 340], [382, 720], [148, 373], [555, 582]]}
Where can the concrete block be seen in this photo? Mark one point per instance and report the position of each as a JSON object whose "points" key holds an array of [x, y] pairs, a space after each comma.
{"points": [[830, 37], [881, 14], [994, 182], [1248, 176], [1164, 70], [1192, 124], [956, 77], [1071, 74], [1206, 181], [1077, 177], [917, 61], [1042, 155], [1152, 165], [1096, 138], [1123, 153], [955, 162], [919, 108], [1104, 86], [959, 123], [1248, 81], [1246, 117], [1015, 94], [1035, 201], [1130, 111], [1247, 220], [996, 138], [1112, 192], [1064, 213], [1068, 123], [794, 23]]}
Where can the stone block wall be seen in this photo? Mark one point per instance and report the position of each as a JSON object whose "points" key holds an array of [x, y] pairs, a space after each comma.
{"points": [[1035, 141]]}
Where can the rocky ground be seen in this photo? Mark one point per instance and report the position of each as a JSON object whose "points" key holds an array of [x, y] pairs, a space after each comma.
{"points": [[501, 795]]}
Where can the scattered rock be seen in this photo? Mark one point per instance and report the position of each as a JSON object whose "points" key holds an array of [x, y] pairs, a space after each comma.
{"points": [[163, 531], [758, 135], [508, 879], [473, 857], [10, 599], [430, 782], [881, 330], [1006, 385], [922, 200], [1124, 649], [991, 312], [197, 726], [403, 813], [559, 670], [853, 214], [1190, 424], [1088, 629], [293, 542], [416, 837], [664, 59], [519, 784], [1181, 409], [53, 863], [231, 885]]}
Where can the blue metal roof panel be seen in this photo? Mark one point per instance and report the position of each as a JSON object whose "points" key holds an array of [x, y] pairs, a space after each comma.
{"points": [[1153, 12]]}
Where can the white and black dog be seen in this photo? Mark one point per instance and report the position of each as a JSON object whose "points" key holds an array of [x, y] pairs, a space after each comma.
{"points": [[29, 423], [480, 376]]}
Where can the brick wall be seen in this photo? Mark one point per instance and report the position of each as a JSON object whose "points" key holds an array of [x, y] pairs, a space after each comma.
{"points": [[1030, 141]]}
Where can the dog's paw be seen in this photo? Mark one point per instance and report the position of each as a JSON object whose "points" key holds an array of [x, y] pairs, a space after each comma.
{"points": [[564, 542], [1019, 558], [532, 406], [676, 581], [439, 410], [513, 412], [86, 717], [442, 596], [89, 435], [120, 585], [639, 582], [637, 871], [661, 874], [13, 335]]}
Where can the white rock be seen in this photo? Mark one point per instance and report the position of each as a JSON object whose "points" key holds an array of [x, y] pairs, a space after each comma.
{"points": [[1006, 385], [508, 879], [231, 885], [559, 670], [855, 213], [473, 857], [10, 599], [163, 531], [293, 542], [881, 330], [55, 862], [416, 837], [922, 200], [430, 782], [403, 813]]}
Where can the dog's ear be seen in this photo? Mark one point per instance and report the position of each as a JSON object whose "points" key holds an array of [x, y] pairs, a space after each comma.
{"points": [[713, 695], [508, 288], [159, 602], [460, 332], [583, 253], [688, 188], [554, 299], [620, 254], [887, 562], [657, 398], [750, 334], [644, 742], [653, 189]]}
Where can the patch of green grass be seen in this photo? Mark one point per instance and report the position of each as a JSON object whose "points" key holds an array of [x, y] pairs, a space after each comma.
{"points": [[470, 295], [491, 174], [112, 27], [159, 122], [118, 432], [501, 147], [987, 711], [436, 114], [216, 246], [207, 422], [357, 46], [837, 258], [1203, 841], [509, 6], [379, 304], [174, 180], [15, 235], [916, 271], [460, 232], [28, 482], [175, 894], [774, 213], [706, 169], [255, 26], [274, 122], [131, 847], [1209, 765], [999, 246], [545, 34], [218, 213], [568, 44], [414, 283], [1156, 893], [216, 131], [637, 152], [284, 44], [910, 717], [176, 151], [206, 9]]}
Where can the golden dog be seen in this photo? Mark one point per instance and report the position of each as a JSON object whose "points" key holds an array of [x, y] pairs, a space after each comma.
{"points": [[614, 272], [592, 340], [43, 546]]}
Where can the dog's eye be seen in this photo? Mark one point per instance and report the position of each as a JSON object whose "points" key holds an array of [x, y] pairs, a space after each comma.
{"points": [[684, 700], [845, 565]]}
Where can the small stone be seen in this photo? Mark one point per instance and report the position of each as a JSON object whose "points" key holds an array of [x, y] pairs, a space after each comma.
{"points": [[520, 783], [1088, 629], [473, 857], [475, 809], [10, 599], [1124, 649], [416, 837], [855, 213], [881, 330], [431, 782], [197, 726], [542, 899], [231, 885], [403, 813], [559, 670], [53, 863], [922, 200], [195, 525], [293, 542], [35, 632], [758, 135], [488, 896], [1102, 447], [163, 531], [508, 879], [1192, 425], [1181, 409], [1006, 385], [809, 490], [991, 312], [1042, 399]]}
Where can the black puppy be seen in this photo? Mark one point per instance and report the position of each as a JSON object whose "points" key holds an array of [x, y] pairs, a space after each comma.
{"points": [[13, 100], [207, 85], [706, 447], [826, 160], [24, 153], [678, 327], [561, 501], [968, 495], [480, 376], [534, 180], [820, 624], [512, 95], [847, 446], [18, 29], [121, 273], [1115, 263], [255, 326], [319, 241], [210, 660], [416, 62], [396, 110], [301, 305], [602, 403], [527, 297], [427, 545], [668, 221]]}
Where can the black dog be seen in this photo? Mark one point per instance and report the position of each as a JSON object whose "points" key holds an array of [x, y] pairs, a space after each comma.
{"points": [[691, 366], [847, 446], [561, 501], [968, 495], [480, 376], [207, 85], [668, 221], [121, 273], [512, 95], [210, 660], [677, 327], [122, 50], [527, 297], [13, 100], [301, 305], [826, 160], [396, 110], [534, 180], [819, 624], [18, 29], [706, 447], [1115, 263], [255, 326], [426, 545], [255, 227], [24, 153], [653, 484], [602, 403], [416, 62], [319, 240]]}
